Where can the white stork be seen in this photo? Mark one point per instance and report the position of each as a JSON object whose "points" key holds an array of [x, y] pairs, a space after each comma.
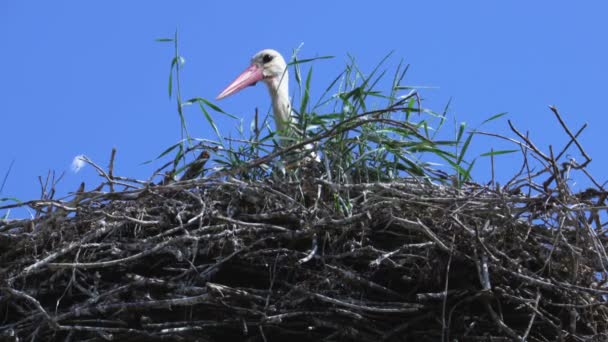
{"points": [[269, 66]]}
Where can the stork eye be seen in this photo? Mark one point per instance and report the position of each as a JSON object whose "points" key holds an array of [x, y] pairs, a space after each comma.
{"points": [[267, 58]]}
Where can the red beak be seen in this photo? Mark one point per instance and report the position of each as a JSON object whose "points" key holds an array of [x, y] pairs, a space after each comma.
{"points": [[248, 77]]}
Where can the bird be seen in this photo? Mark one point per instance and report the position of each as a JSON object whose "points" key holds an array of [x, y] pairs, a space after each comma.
{"points": [[269, 67]]}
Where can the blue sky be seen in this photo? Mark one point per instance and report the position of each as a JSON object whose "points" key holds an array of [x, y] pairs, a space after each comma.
{"points": [[81, 77]]}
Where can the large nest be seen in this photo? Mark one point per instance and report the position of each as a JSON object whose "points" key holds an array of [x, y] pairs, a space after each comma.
{"points": [[222, 259]]}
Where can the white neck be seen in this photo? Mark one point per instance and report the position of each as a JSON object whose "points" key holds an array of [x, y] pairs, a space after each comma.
{"points": [[281, 106]]}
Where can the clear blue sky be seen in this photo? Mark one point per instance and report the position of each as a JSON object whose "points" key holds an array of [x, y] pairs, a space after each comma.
{"points": [[81, 77]]}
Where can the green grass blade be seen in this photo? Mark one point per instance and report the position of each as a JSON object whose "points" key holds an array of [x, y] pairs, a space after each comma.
{"points": [[306, 95], [494, 117], [464, 148], [210, 105], [211, 122], [499, 152], [307, 60]]}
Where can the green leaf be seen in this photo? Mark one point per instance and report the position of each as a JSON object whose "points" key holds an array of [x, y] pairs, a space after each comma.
{"points": [[327, 90], [495, 153], [302, 61], [461, 129], [178, 156], [464, 148], [297, 75], [217, 109], [306, 96], [210, 105], [165, 152], [494, 117], [466, 176], [171, 81], [211, 122], [171, 148]]}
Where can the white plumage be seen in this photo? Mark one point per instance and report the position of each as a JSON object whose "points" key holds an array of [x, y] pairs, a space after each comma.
{"points": [[268, 66]]}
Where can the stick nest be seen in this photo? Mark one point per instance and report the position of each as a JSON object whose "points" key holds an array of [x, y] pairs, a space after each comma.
{"points": [[308, 259]]}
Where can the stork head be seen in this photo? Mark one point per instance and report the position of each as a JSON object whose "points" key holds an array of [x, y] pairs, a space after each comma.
{"points": [[267, 65]]}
